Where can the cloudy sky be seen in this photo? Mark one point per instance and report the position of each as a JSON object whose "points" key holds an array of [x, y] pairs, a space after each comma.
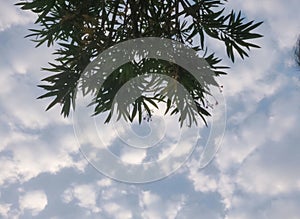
{"points": [[255, 174]]}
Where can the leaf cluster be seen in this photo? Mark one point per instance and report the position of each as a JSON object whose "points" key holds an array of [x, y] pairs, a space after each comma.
{"points": [[85, 28], [297, 51]]}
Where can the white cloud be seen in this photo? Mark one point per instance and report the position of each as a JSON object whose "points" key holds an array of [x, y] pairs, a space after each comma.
{"points": [[33, 154], [226, 188], [104, 182], [33, 201], [282, 17], [202, 182], [26, 110], [29, 137], [260, 157], [117, 211], [151, 205], [5, 81], [253, 78], [104, 198], [268, 149], [4, 209], [155, 206], [12, 15], [133, 155], [253, 126], [85, 194], [272, 171], [21, 72]]}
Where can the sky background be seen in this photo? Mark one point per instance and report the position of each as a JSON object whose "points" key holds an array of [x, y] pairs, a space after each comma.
{"points": [[255, 174]]}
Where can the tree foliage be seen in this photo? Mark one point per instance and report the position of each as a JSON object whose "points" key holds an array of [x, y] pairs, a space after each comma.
{"points": [[297, 52], [83, 29]]}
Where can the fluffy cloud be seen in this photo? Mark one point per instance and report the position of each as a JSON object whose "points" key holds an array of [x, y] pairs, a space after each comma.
{"points": [[103, 198], [117, 211], [274, 168], [281, 17], [33, 154], [4, 209], [30, 144], [259, 156], [84, 194], [153, 206], [33, 201], [202, 182], [11, 15]]}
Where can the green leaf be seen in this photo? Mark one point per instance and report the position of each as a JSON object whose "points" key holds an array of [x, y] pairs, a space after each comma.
{"points": [[81, 30]]}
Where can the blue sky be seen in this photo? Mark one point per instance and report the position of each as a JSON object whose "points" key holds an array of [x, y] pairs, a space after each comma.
{"points": [[255, 174]]}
